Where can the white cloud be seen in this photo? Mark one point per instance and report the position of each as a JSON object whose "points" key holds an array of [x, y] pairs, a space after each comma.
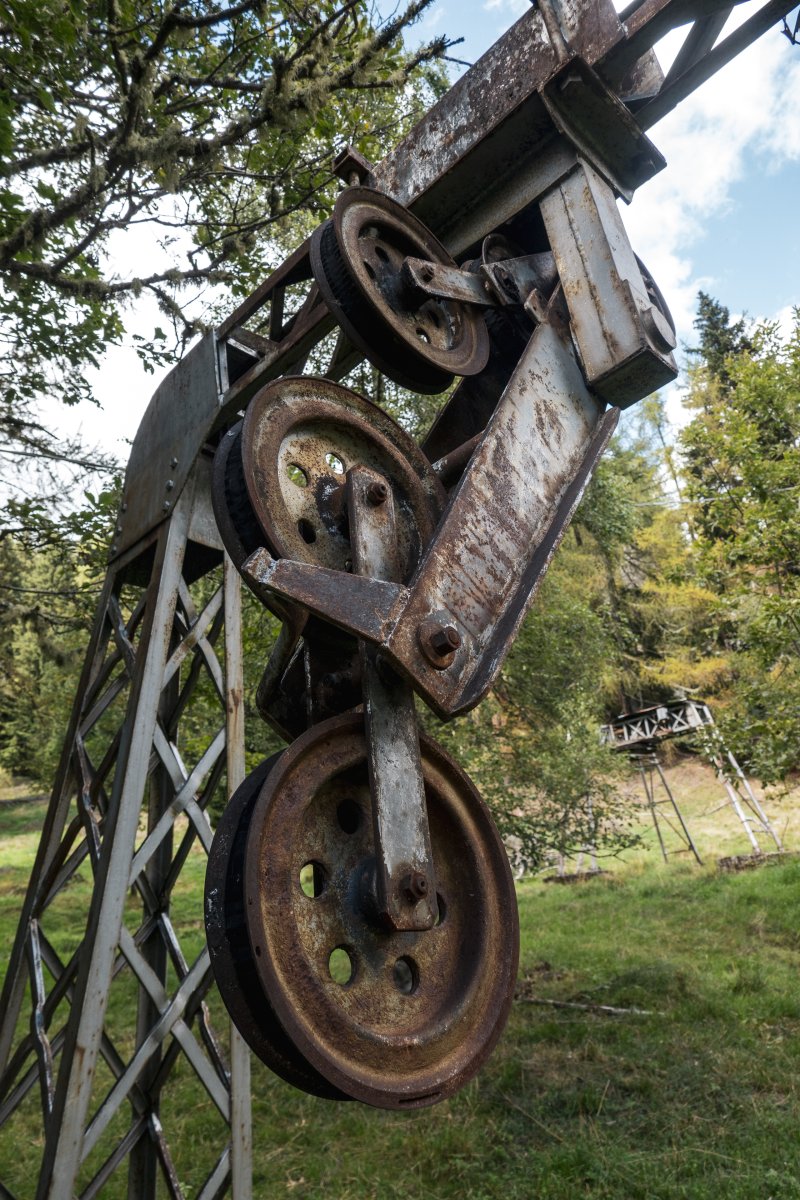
{"points": [[785, 320], [735, 123], [511, 8]]}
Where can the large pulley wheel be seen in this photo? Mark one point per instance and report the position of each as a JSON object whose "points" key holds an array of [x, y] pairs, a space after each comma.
{"points": [[397, 1020], [357, 258], [237, 523], [300, 437], [229, 946], [238, 527]]}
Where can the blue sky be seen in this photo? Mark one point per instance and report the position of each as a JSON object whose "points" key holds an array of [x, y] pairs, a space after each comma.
{"points": [[741, 240]]}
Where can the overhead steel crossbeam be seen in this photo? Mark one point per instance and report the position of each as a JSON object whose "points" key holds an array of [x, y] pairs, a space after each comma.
{"points": [[650, 725]]}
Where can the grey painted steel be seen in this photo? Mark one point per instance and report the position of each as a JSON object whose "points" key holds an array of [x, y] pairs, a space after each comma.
{"points": [[62, 1154], [682, 718], [527, 123], [752, 800], [52, 832], [656, 723], [679, 815], [624, 341], [176, 424], [649, 766], [240, 1114], [157, 653], [397, 787]]}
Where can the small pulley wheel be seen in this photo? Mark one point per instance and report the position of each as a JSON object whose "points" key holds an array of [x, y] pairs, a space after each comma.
{"points": [[396, 1020], [357, 258], [300, 437], [229, 948], [666, 334]]}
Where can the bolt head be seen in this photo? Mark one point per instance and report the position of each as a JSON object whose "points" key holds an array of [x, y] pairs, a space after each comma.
{"points": [[426, 272], [444, 639], [415, 887], [377, 493], [438, 640]]}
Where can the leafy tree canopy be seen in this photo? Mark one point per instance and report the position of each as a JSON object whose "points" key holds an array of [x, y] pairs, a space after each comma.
{"points": [[743, 486], [212, 124]]}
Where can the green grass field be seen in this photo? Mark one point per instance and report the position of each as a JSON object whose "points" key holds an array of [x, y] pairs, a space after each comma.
{"points": [[695, 1097]]}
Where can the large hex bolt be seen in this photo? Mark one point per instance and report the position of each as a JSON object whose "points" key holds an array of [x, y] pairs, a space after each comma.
{"points": [[439, 640], [444, 640]]}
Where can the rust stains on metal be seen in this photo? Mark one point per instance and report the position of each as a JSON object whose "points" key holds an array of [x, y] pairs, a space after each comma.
{"points": [[397, 1020]]}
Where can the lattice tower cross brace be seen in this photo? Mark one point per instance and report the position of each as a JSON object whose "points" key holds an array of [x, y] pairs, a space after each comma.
{"points": [[169, 632]]}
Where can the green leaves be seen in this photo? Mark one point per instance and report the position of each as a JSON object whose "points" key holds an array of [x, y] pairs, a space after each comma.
{"points": [[743, 485], [219, 128]]}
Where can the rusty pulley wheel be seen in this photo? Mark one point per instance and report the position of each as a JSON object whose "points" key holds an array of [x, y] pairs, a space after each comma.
{"points": [[397, 1020], [237, 523], [300, 437], [662, 328], [238, 527], [357, 258], [229, 947]]}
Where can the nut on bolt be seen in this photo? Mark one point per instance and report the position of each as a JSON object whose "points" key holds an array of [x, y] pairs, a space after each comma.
{"points": [[438, 640], [444, 639], [377, 493], [415, 887]]}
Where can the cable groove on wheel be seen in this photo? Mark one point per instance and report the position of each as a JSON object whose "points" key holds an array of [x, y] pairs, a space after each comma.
{"points": [[370, 330]]}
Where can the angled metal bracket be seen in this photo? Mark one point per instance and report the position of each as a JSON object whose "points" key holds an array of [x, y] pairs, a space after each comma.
{"points": [[477, 576]]}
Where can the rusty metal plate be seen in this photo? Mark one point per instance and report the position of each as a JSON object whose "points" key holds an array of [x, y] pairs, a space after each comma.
{"points": [[229, 947], [495, 541], [405, 883], [301, 435], [624, 339], [419, 340], [397, 1020]]}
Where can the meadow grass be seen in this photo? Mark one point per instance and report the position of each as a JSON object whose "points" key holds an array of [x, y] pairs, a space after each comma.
{"points": [[695, 1095]]}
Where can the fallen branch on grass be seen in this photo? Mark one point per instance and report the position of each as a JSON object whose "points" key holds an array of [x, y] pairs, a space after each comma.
{"points": [[602, 1008]]}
